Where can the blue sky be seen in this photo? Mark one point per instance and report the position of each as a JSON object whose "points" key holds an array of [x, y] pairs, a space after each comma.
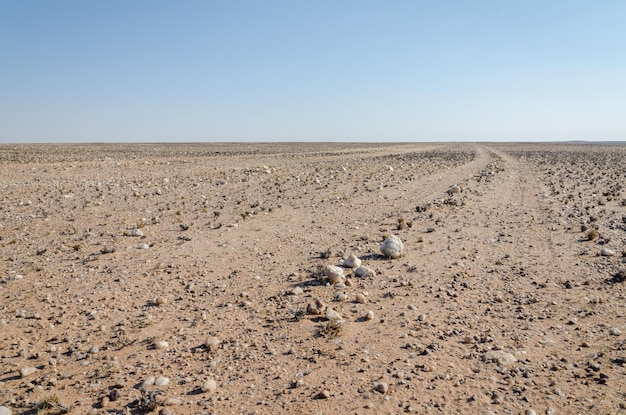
{"points": [[312, 70]]}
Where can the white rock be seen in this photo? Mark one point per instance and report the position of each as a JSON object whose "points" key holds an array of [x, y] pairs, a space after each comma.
{"points": [[161, 381], [332, 314], [5, 411], [27, 371], [364, 272], [361, 298], [143, 246], [392, 247], [135, 232], [297, 291], [212, 343], [162, 344], [614, 331], [499, 357], [369, 315], [352, 262], [210, 385], [342, 297], [172, 401], [148, 382], [607, 252], [334, 274]]}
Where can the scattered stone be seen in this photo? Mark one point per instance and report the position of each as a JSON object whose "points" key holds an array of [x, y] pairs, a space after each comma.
{"points": [[364, 272], [5, 411], [162, 381], [212, 343], [607, 252], [315, 308], [210, 385], [297, 291], [166, 411], [421, 318], [499, 357], [135, 232], [160, 301], [352, 262], [143, 246], [334, 274], [332, 314], [361, 298], [530, 412], [614, 331], [370, 315], [323, 394], [392, 247], [172, 401], [161, 345], [27, 371], [342, 297], [381, 387], [149, 381]]}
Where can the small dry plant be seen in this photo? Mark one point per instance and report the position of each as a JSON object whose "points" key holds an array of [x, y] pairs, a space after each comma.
{"points": [[51, 404], [334, 328]]}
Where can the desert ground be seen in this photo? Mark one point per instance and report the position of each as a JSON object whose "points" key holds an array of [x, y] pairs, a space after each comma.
{"points": [[222, 279]]}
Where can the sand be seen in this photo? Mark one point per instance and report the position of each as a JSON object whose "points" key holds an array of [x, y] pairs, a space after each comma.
{"points": [[200, 268]]}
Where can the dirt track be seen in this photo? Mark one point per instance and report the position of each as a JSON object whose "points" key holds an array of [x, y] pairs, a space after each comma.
{"points": [[500, 255]]}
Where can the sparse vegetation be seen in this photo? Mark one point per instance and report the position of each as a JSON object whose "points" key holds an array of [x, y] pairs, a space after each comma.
{"points": [[51, 404], [333, 328]]}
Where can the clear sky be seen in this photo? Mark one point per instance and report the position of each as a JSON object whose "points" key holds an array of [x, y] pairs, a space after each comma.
{"points": [[295, 70]]}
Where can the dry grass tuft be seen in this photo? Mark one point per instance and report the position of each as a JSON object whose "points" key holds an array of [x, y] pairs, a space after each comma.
{"points": [[334, 328]]}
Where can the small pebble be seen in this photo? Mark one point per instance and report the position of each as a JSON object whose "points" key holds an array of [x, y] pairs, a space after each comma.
{"points": [[370, 315], [332, 314], [212, 343], [364, 272], [352, 262], [161, 381], [361, 299], [342, 297], [160, 345], [421, 317], [148, 382], [160, 301], [324, 394], [607, 252], [144, 246], [530, 412], [5, 411], [166, 411], [172, 402], [210, 385], [297, 291], [135, 232], [392, 247], [27, 371], [334, 274], [381, 387], [614, 331]]}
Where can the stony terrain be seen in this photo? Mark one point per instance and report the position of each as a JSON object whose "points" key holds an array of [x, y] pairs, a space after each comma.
{"points": [[197, 279]]}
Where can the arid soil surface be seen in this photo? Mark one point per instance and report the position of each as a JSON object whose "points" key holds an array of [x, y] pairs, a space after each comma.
{"points": [[191, 279]]}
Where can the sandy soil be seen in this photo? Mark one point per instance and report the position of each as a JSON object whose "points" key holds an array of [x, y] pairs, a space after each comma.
{"points": [[191, 279]]}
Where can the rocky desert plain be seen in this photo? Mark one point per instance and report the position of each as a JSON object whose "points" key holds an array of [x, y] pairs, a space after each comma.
{"points": [[249, 278]]}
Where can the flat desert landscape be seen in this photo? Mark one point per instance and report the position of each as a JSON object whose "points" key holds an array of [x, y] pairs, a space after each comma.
{"points": [[249, 278]]}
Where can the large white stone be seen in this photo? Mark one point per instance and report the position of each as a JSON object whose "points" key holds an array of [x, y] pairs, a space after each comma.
{"points": [[392, 247]]}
